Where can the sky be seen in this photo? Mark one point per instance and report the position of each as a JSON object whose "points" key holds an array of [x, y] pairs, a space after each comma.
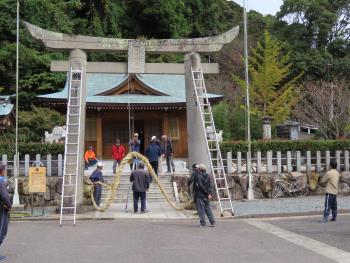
{"points": [[263, 6]]}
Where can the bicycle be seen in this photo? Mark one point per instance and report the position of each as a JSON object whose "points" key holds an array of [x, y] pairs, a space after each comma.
{"points": [[296, 187]]}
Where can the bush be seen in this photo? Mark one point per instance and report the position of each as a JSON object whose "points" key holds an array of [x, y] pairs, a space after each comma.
{"points": [[32, 149], [232, 121], [284, 146]]}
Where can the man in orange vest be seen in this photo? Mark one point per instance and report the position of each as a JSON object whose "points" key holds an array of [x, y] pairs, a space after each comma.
{"points": [[90, 158]]}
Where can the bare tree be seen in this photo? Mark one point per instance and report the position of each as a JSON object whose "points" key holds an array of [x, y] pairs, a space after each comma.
{"points": [[325, 105]]}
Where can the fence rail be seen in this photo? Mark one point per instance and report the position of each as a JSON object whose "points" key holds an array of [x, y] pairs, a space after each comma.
{"points": [[277, 162], [53, 164]]}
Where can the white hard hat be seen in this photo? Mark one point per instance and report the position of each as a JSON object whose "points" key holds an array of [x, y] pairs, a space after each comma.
{"points": [[99, 164], [202, 167], [153, 138]]}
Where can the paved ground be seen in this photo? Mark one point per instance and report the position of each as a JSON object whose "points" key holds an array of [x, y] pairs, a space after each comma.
{"points": [[277, 240], [308, 204]]}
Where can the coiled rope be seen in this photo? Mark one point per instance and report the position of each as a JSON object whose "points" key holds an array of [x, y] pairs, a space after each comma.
{"points": [[113, 187]]}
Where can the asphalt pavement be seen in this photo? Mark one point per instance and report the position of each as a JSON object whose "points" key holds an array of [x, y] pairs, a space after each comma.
{"points": [[127, 240]]}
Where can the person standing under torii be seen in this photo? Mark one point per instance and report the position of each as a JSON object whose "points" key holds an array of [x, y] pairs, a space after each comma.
{"points": [[140, 184], [168, 153], [153, 152], [95, 178], [118, 153], [135, 144]]}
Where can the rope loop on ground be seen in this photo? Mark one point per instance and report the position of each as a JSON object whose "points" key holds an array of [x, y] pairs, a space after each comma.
{"points": [[113, 187]]}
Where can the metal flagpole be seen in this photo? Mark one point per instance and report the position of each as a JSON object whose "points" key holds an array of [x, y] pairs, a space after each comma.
{"points": [[249, 154], [16, 159]]}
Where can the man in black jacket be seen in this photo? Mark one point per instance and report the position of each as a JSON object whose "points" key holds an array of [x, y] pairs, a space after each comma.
{"points": [[168, 153], [141, 180], [5, 206], [203, 191]]}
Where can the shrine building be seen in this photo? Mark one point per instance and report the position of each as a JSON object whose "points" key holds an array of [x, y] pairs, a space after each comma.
{"points": [[149, 104]]}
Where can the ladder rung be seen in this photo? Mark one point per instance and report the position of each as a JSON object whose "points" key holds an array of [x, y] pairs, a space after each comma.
{"points": [[72, 143], [68, 196], [69, 185], [222, 188], [73, 114], [73, 124], [68, 207], [224, 198], [221, 178], [72, 133]]}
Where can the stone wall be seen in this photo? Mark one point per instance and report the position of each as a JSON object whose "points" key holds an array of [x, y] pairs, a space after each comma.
{"points": [[264, 184], [52, 197]]}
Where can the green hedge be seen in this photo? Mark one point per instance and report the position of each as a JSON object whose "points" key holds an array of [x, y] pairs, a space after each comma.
{"points": [[32, 149], [284, 146]]}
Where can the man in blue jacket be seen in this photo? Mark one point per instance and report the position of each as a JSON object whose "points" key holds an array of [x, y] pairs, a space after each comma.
{"points": [[96, 177], [135, 144], [153, 152], [5, 206]]}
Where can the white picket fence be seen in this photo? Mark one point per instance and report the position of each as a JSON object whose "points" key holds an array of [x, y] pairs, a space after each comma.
{"points": [[278, 162], [53, 164]]}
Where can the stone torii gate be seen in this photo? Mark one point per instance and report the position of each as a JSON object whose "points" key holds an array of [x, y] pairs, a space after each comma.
{"points": [[78, 46]]}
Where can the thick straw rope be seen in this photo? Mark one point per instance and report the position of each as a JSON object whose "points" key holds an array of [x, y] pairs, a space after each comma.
{"points": [[113, 187]]}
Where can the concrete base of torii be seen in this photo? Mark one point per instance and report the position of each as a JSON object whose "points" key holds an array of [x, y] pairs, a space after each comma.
{"points": [[197, 146]]}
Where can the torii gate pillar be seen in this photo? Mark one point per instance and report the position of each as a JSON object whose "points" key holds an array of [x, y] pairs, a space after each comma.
{"points": [[197, 147], [78, 61]]}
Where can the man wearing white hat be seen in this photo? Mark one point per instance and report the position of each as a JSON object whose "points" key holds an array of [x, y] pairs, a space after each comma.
{"points": [[96, 177], [153, 152]]}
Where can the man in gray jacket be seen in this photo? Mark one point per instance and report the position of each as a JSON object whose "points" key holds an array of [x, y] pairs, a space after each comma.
{"points": [[5, 206], [141, 180]]}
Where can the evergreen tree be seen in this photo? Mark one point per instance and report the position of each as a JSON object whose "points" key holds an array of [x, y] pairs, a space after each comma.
{"points": [[272, 91]]}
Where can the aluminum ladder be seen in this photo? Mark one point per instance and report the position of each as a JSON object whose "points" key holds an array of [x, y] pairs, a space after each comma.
{"points": [[213, 147], [72, 148]]}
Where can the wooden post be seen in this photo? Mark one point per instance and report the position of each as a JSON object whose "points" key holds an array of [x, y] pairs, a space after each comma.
{"points": [[48, 165], [269, 162], [258, 162], [318, 162], [4, 162], [229, 162], [337, 156], [346, 160], [308, 161], [165, 123], [289, 161], [298, 161], [239, 162], [328, 159], [59, 165], [99, 138], [279, 162], [26, 164]]}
